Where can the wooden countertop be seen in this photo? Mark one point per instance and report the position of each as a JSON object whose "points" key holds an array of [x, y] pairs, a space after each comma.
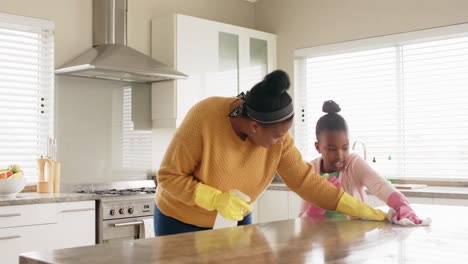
{"points": [[291, 241]]}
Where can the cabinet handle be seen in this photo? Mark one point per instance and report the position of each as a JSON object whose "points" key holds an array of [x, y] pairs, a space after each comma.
{"points": [[10, 237], [77, 210], [10, 215], [129, 223]]}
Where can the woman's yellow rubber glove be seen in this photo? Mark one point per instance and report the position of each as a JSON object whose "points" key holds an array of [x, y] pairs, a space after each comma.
{"points": [[355, 208], [228, 204]]}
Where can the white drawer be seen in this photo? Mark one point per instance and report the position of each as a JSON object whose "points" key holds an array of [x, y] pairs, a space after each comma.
{"points": [[31, 214], [74, 207], [17, 240]]}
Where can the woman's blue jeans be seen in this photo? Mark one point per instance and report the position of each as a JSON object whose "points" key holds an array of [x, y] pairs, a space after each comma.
{"points": [[165, 225]]}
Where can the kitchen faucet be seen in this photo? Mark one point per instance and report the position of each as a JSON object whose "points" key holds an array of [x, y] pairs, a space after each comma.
{"points": [[363, 147]]}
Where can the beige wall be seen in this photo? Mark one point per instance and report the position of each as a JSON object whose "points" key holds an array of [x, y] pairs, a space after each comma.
{"points": [[72, 22], [307, 23], [73, 19], [84, 107]]}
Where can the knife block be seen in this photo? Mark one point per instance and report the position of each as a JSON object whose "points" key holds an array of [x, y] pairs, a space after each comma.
{"points": [[57, 167], [41, 163], [44, 187], [53, 176]]}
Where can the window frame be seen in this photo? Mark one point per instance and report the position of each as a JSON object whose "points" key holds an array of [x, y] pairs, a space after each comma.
{"points": [[412, 37], [46, 27]]}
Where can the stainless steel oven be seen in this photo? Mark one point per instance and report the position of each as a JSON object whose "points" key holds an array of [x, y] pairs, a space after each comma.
{"points": [[121, 209], [122, 229], [122, 218]]}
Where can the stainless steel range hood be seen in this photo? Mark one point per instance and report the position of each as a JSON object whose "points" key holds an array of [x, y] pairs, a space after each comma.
{"points": [[110, 57]]}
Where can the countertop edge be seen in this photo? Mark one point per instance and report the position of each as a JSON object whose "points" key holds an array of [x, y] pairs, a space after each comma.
{"points": [[423, 193], [47, 198]]}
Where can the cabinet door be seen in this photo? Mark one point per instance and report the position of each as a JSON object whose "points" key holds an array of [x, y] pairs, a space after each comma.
{"points": [[77, 223], [219, 59], [47, 226], [294, 205], [30, 214], [228, 59], [210, 57], [17, 240], [273, 206], [257, 57], [255, 212]]}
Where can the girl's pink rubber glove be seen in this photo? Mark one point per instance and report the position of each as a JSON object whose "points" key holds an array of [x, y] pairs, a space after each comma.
{"points": [[312, 210], [402, 208]]}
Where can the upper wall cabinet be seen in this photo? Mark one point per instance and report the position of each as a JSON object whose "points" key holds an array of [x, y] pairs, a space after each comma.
{"points": [[220, 60]]}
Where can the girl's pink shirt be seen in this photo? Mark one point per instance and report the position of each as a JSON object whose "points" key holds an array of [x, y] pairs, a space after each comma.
{"points": [[355, 177]]}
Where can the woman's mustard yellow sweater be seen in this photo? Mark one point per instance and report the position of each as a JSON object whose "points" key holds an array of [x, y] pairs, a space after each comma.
{"points": [[205, 149]]}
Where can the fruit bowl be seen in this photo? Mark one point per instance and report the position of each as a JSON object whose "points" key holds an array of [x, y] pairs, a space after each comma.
{"points": [[9, 187], [11, 181]]}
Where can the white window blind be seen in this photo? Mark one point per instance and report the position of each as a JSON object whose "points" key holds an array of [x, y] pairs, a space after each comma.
{"points": [[136, 144], [26, 90], [404, 98]]}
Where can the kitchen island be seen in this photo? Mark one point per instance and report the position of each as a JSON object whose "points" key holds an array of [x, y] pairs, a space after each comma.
{"points": [[290, 241]]}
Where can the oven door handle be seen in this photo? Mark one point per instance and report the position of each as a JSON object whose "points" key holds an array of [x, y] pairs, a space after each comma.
{"points": [[128, 223]]}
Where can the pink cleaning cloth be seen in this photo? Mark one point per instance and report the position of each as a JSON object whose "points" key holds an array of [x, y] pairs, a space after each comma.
{"points": [[405, 221], [402, 208]]}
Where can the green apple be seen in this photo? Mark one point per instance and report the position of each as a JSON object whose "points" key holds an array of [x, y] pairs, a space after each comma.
{"points": [[15, 168]]}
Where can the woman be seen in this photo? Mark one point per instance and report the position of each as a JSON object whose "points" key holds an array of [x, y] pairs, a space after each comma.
{"points": [[227, 144], [349, 171]]}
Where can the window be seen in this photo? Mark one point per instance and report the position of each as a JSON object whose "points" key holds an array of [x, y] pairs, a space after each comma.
{"points": [[26, 91], [136, 144], [405, 96]]}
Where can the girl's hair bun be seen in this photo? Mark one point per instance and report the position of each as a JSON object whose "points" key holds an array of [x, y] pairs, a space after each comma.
{"points": [[331, 107]]}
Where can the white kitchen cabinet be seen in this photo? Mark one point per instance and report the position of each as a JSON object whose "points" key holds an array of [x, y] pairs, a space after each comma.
{"points": [[77, 223], [17, 240], [294, 205], [273, 206], [24, 215], [255, 212], [26, 228], [220, 60]]}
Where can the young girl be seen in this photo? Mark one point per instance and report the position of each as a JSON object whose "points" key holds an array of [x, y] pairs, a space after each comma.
{"points": [[349, 171]]}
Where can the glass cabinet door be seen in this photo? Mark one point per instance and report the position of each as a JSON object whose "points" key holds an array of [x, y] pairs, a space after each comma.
{"points": [[227, 76], [258, 63]]}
